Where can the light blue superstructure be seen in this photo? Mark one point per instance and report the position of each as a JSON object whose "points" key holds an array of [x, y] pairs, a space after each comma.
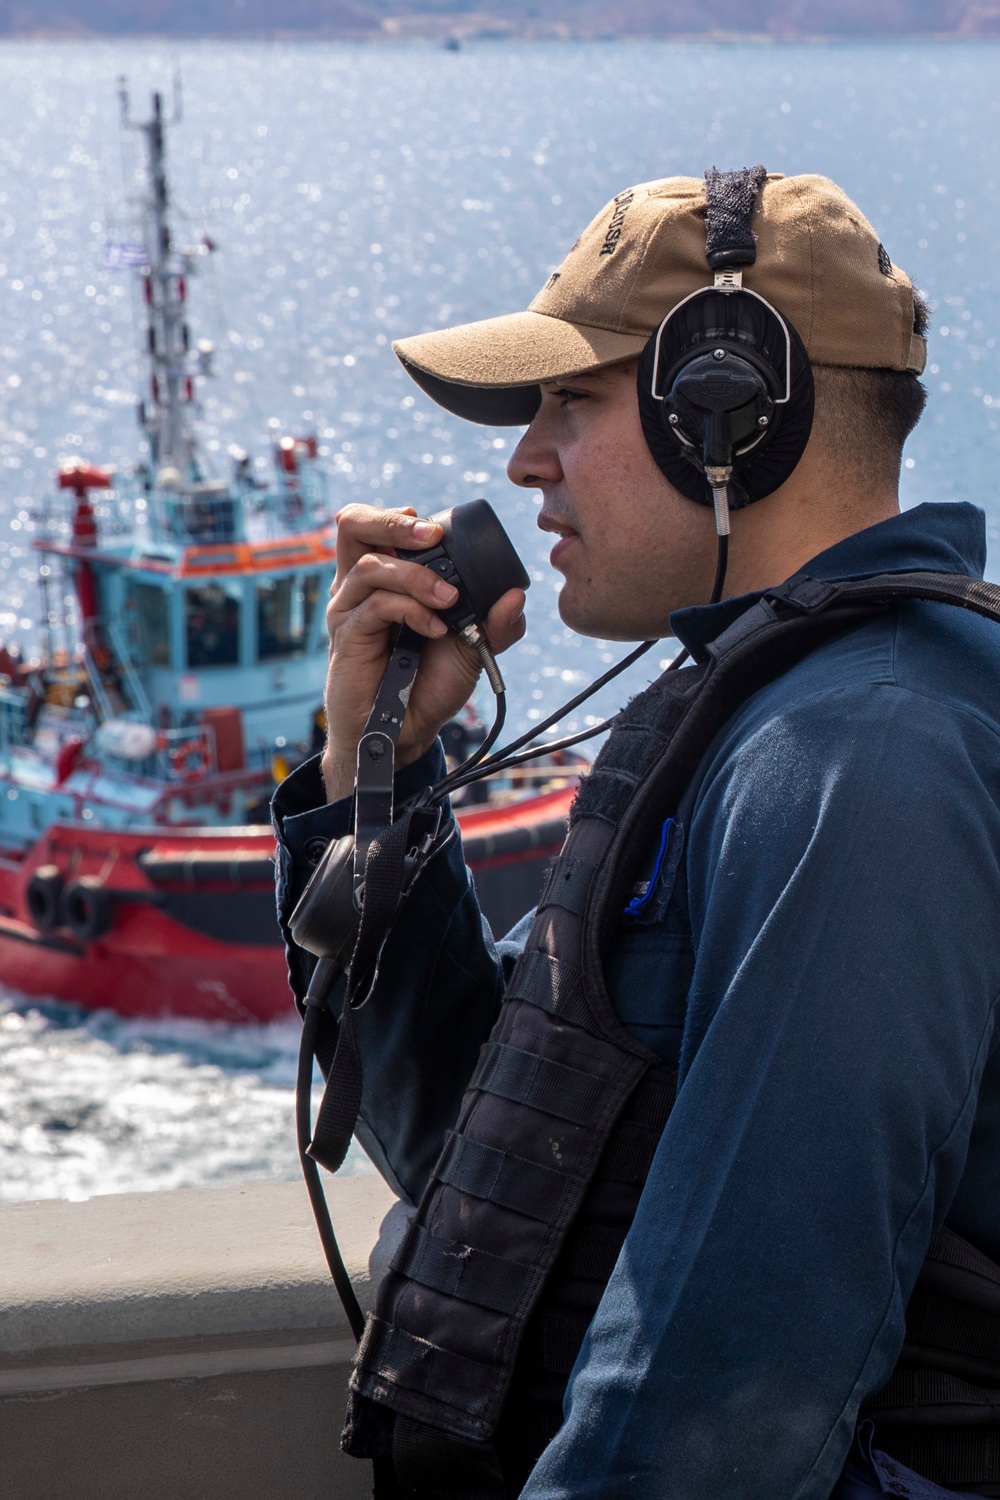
{"points": [[194, 650]]}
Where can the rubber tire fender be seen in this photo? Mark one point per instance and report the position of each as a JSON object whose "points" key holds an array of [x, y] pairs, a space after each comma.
{"points": [[88, 908], [43, 897]]}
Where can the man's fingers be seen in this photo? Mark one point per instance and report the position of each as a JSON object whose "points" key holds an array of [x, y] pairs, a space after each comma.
{"points": [[505, 621], [366, 624], [374, 571], [362, 527]]}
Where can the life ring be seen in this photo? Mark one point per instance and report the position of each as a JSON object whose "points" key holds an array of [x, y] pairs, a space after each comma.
{"points": [[87, 908], [198, 763], [191, 759], [43, 897]]}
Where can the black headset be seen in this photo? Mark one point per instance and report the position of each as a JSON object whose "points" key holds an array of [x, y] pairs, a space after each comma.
{"points": [[725, 385]]}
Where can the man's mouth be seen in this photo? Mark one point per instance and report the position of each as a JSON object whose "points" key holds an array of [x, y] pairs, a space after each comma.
{"points": [[566, 534]]}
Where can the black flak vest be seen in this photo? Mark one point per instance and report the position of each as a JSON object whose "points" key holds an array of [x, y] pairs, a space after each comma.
{"points": [[459, 1378]]}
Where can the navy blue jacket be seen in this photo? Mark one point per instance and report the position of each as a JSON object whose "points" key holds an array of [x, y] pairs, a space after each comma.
{"points": [[823, 966]]}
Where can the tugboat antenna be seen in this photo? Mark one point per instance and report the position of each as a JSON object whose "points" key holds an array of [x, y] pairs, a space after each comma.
{"points": [[165, 414]]}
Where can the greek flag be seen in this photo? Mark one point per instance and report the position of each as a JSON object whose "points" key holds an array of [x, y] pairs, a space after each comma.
{"points": [[120, 256]]}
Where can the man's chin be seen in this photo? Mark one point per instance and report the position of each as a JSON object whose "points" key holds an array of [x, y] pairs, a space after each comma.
{"points": [[572, 613], [590, 617]]}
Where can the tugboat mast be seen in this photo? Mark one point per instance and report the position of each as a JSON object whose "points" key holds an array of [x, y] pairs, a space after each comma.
{"points": [[165, 415]]}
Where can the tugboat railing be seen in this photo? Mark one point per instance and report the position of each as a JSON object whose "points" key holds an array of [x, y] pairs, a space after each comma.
{"points": [[200, 515], [97, 690], [136, 691]]}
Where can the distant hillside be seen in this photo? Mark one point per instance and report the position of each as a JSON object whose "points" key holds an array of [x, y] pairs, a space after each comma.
{"points": [[185, 17], [525, 18]]}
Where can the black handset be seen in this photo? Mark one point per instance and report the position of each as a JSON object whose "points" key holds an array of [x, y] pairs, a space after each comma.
{"points": [[476, 555]]}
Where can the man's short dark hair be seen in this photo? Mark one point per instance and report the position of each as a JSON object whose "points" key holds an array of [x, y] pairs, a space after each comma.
{"points": [[864, 417]]}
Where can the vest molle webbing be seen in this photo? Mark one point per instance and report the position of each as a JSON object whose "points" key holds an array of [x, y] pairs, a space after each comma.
{"points": [[462, 1367]]}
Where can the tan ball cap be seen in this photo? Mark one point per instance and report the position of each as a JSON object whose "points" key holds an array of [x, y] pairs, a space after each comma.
{"points": [[818, 261]]}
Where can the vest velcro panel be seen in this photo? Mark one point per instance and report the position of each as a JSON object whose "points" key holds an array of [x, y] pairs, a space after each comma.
{"points": [[502, 1178], [524, 1185], [450, 1266], [554, 986], [551, 1087]]}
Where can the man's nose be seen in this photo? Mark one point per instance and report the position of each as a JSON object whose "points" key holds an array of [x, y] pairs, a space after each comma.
{"points": [[535, 463]]}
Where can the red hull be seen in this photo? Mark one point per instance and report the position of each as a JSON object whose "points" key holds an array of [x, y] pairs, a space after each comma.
{"points": [[189, 910]]}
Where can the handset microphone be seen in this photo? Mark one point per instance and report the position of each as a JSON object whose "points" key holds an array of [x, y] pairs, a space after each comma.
{"points": [[477, 557]]}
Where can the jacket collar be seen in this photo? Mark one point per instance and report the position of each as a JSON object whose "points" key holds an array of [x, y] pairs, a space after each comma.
{"points": [[938, 538]]}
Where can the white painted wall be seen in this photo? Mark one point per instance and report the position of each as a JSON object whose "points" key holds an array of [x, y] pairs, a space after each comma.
{"points": [[180, 1346]]}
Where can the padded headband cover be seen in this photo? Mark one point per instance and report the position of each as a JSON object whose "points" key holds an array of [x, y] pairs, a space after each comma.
{"points": [[730, 199]]}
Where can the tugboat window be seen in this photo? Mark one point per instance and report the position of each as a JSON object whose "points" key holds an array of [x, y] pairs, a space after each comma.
{"points": [[151, 614], [212, 622], [285, 609]]}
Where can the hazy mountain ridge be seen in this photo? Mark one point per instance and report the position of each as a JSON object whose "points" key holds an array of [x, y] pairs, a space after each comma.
{"points": [[522, 18]]}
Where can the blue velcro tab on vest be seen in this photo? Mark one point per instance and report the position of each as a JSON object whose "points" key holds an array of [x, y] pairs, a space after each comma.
{"points": [[883, 1475], [645, 888]]}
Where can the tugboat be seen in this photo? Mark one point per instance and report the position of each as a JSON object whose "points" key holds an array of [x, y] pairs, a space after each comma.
{"points": [[139, 750]]}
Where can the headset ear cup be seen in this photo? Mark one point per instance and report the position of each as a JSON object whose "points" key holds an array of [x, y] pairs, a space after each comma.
{"points": [[744, 331]]}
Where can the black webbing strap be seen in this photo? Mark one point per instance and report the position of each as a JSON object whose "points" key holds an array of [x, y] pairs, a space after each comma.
{"points": [[428, 1463], [652, 1102], [629, 1153], [811, 595], [418, 1365], [373, 797], [568, 886], [955, 1268], [562, 1336], [553, 1342], [591, 1252], [501, 1177], [380, 851], [912, 1397], [553, 985], [953, 1335], [730, 199], [551, 1087], [836, 606], [385, 1482], [473, 1275], [385, 868]]}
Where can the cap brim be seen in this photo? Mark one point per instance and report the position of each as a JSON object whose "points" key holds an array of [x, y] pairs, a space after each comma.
{"points": [[490, 371]]}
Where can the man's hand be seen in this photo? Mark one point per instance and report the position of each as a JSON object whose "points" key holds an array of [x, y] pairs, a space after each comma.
{"points": [[375, 589]]}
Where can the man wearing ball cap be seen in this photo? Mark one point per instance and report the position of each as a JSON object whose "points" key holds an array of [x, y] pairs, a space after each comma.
{"points": [[812, 947], [818, 261]]}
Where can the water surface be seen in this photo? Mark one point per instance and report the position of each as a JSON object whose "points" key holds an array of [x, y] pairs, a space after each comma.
{"points": [[357, 193]]}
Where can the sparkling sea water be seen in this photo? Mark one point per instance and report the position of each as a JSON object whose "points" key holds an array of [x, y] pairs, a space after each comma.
{"points": [[357, 193]]}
